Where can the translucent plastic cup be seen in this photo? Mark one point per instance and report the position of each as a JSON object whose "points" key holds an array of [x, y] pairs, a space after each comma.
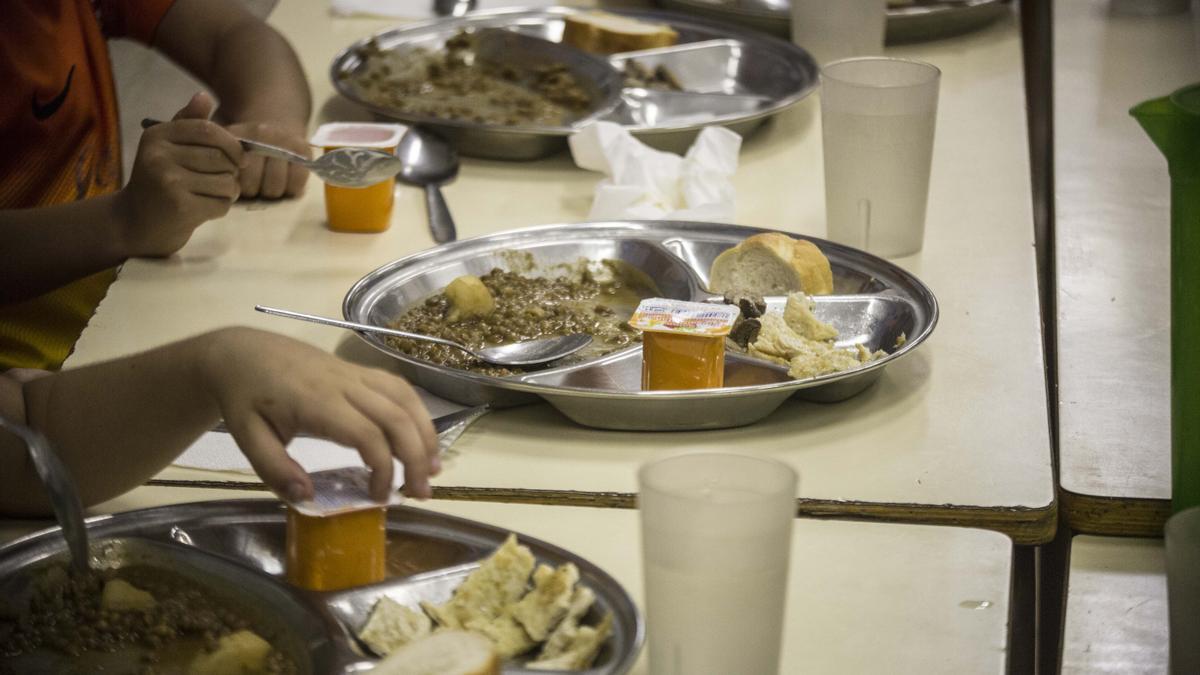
{"points": [[839, 29], [1182, 536], [877, 118], [716, 537]]}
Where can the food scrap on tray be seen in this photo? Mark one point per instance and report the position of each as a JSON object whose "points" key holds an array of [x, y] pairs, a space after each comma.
{"points": [[454, 84], [502, 306], [802, 342], [497, 601]]}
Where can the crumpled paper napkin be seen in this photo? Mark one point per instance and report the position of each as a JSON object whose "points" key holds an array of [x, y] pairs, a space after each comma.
{"points": [[644, 183], [418, 9]]}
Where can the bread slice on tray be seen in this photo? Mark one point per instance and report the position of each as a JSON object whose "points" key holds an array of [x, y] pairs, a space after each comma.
{"points": [[391, 625], [772, 264], [446, 652], [605, 33]]}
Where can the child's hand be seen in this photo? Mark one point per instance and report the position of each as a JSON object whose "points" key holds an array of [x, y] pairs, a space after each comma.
{"points": [[185, 173], [270, 388], [268, 177]]}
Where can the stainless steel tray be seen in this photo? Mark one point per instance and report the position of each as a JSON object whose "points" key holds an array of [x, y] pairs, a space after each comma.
{"points": [[914, 23], [772, 74], [238, 547], [874, 303]]}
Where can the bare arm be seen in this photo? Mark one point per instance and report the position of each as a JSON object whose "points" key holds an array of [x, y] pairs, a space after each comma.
{"points": [[117, 424], [255, 74], [42, 249]]}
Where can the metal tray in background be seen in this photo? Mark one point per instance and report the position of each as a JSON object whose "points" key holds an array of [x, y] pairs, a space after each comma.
{"points": [[929, 20], [874, 302], [773, 74], [237, 548]]}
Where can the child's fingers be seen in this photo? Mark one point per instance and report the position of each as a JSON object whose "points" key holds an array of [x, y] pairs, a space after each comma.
{"points": [[216, 185], [342, 423], [201, 106], [251, 175], [402, 434], [203, 160], [402, 394], [206, 134], [297, 177], [270, 460], [274, 179]]}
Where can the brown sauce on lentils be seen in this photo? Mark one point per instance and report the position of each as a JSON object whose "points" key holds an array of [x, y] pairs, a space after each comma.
{"points": [[527, 307]]}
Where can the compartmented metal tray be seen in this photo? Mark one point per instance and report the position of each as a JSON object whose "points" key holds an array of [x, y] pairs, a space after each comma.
{"points": [[236, 548], [922, 20], [874, 302], [756, 76]]}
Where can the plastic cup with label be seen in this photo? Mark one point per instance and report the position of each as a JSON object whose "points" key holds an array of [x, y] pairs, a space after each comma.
{"points": [[716, 540], [877, 120], [338, 539], [683, 343], [366, 209], [839, 29]]}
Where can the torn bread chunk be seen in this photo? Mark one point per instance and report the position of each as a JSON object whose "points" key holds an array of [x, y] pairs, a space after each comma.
{"points": [[581, 651], [447, 652], [391, 625], [560, 639], [545, 606], [487, 592], [506, 635]]}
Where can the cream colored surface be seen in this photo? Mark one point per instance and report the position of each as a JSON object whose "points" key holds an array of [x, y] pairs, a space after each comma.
{"points": [[1116, 607], [1113, 228], [960, 422], [862, 597]]}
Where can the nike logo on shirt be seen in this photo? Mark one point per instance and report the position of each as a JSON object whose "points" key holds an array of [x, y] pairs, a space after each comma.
{"points": [[43, 111]]}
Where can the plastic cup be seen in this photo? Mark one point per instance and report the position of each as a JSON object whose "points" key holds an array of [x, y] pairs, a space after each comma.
{"points": [[831, 30], [877, 118], [1183, 590], [365, 209], [716, 537]]}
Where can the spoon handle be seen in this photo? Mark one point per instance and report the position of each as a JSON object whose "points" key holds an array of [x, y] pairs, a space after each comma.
{"points": [[64, 498], [441, 225], [358, 326], [252, 146]]}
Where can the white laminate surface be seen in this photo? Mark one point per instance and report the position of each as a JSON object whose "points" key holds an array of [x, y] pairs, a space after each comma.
{"points": [[1113, 232], [861, 597], [1116, 607], [962, 422]]}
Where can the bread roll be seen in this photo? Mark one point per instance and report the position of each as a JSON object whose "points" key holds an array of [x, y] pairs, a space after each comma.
{"points": [[772, 264], [605, 33], [447, 652]]}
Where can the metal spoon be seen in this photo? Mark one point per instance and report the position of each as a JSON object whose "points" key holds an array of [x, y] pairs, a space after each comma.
{"points": [[428, 161], [453, 7], [64, 498], [526, 353], [342, 167]]}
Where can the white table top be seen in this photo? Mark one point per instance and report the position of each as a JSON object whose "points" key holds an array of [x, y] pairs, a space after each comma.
{"points": [[1116, 607], [1113, 235], [862, 597], [955, 433]]}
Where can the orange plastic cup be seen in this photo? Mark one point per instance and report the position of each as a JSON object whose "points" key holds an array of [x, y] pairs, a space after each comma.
{"points": [[367, 209], [330, 553]]}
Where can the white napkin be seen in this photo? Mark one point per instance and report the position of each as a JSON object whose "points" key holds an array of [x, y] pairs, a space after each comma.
{"points": [[418, 9], [217, 451], [644, 183]]}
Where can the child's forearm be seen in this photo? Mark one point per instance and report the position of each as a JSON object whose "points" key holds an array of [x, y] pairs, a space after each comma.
{"points": [[44, 248], [114, 424]]}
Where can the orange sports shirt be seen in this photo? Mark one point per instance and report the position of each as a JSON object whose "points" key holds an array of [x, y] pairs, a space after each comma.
{"points": [[58, 129]]}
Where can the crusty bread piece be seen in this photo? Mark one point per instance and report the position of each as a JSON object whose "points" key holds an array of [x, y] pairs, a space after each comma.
{"points": [[772, 264], [447, 652], [506, 635], [581, 651], [605, 33], [545, 606], [488, 591], [391, 625]]}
